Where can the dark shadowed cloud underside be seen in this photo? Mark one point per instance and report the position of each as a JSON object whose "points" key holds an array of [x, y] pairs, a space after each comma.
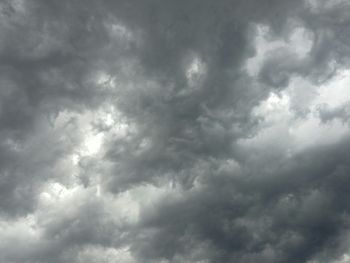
{"points": [[173, 131]]}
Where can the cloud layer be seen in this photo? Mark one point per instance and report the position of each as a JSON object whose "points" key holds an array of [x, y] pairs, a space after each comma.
{"points": [[174, 131]]}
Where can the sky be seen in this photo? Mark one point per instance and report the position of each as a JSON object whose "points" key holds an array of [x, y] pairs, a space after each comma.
{"points": [[174, 131]]}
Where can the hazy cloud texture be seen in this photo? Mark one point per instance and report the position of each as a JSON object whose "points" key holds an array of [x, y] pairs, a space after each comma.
{"points": [[162, 131]]}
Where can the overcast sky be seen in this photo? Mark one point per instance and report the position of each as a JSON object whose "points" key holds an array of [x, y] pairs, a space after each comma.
{"points": [[174, 131]]}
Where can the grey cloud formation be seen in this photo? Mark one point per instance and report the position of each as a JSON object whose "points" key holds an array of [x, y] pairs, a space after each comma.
{"points": [[174, 131], [341, 112]]}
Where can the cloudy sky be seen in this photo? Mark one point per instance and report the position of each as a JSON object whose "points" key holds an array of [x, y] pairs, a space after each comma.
{"points": [[174, 131]]}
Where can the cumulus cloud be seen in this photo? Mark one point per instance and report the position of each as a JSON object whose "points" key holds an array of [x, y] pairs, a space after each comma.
{"points": [[174, 131]]}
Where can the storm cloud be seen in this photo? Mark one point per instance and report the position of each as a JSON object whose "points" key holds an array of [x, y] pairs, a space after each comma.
{"points": [[174, 131]]}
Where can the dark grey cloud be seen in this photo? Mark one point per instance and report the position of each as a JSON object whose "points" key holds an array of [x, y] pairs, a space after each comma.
{"points": [[289, 214], [174, 131]]}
